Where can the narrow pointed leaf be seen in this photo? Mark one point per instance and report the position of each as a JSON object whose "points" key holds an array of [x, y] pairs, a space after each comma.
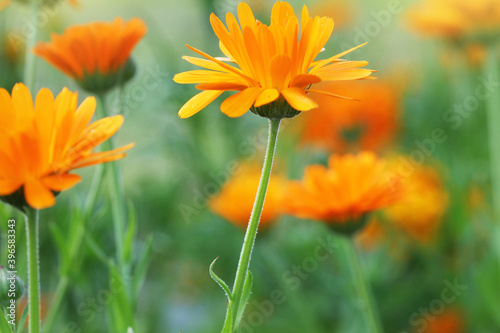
{"points": [[220, 281]]}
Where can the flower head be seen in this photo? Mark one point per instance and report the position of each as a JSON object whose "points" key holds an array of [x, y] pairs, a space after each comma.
{"points": [[96, 55], [236, 198], [367, 124], [41, 143], [424, 193], [343, 193], [455, 18], [275, 64]]}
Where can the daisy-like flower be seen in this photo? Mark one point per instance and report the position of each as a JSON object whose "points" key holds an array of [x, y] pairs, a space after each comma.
{"points": [[96, 55], [236, 198], [41, 143], [455, 18], [344, 193], [367, 124], [275, 64], [424, 193]]}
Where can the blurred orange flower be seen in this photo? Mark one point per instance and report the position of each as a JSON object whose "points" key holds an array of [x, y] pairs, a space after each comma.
{"points": [[455, 18], [450, 321], [367, 124], [40, 144], [4, 4], [97, 54], [351, 187], [422, 206], [276, 64], [236, 198]]}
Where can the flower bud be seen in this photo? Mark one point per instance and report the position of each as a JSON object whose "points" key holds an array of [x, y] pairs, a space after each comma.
{"points": [[11, 287]]}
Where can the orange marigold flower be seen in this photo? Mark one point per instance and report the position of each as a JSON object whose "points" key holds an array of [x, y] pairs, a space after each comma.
{"points": [[343, 193], [455, 18], [423, 192], [275, 64], [236, 198], [96, 55], [41, 143], [4, 4], [367, 124], [450, 321]]}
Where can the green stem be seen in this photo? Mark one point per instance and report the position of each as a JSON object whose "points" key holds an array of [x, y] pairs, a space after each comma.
{"points": [[29, 66], [55, 304], [251, 233], [31, 218], [116, 196], [77, 237], [363, 290]]}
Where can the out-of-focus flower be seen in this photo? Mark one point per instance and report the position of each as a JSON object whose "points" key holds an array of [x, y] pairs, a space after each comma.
{"points": [[275, 64], [4, 4], [45, 299], [455, 18], [41, 143], [96, 55], [236, 198], [422, 206], [367, 124], [344, 193], [450, 321]]}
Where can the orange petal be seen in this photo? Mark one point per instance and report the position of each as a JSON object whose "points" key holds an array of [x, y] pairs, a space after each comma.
{"points": [[237, 104], [61, 182], [198, 102], [37, 195], [7, 113], [298, 99], [303, 80], [267, 96]]}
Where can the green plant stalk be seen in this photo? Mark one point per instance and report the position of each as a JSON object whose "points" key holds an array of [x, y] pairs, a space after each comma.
{"points": [[251, 233], [363, 290], [31, 217], [29, 59], [493, 111], [63, 282], [116, 195]]}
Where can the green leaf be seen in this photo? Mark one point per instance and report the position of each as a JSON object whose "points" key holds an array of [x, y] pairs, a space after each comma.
{"points": [[220, 281], [142, 266], [129, 236], [228, 323], [60, 240], [245, 295], [119, 309], [22, 321], [4, 325]]}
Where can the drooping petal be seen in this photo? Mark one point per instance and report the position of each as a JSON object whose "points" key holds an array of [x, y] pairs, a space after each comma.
{"points": [[298, 99], [37, 195], [266, 96], [239, 103], [61, 182], [198, 102]]}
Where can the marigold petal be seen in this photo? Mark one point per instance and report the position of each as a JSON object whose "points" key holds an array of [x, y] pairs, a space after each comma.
{"points": [[267, 96], [37, 195], [7, 113], [303, 80], [298, 99], [343, 74], [239, 103], [61, 182], [198, 102]]}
